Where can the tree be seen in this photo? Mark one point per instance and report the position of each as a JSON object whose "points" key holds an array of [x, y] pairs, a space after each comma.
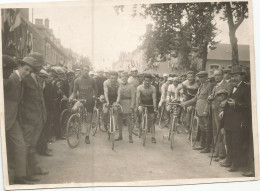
{"points": [[185, 28], [234, 13]]}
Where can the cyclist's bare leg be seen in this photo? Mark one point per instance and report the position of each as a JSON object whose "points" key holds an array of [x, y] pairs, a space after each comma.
{"points": [[88, 127], [151, 120]]}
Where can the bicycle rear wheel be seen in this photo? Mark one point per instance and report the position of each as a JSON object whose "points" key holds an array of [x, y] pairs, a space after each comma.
{"points": [[64, 117], [194, 131], [73, 131], [113, 130], [95, 121], [102, 127]]}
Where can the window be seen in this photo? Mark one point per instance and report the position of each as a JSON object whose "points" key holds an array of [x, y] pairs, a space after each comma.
{"points": [[214, 66]]}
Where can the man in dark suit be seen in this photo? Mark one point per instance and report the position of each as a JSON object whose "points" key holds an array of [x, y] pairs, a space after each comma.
{"points": [[237, 113], [200, 100], [33, 113], [16, 149]]}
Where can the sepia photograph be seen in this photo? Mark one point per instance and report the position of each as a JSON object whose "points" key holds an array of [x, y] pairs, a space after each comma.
{"points": [[121, 93]]}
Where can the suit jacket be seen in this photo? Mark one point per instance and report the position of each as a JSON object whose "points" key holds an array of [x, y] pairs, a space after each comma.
{"points": [[235, 117], [12, 97], [200, 98], [33, 110]]}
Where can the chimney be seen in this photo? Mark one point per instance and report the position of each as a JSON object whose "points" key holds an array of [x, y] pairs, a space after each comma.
{"points": [[47, 23], [39, 21]]}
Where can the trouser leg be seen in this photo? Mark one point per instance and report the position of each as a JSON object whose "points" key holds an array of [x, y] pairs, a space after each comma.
{"points": [[120, 124], [129, 122], [216, 134], [236, 149], [16, 150], [209, 135], [229, 146], [151, 123]]}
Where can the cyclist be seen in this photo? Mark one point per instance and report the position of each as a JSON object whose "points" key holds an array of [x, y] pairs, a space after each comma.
{"points": [[85, 88], [173, 94], [126, 98], [146, 95], [133, 79], [111, 92], [189, 88]]}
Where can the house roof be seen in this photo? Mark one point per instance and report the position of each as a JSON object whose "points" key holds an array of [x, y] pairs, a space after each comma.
{"points": [[224, 52]]}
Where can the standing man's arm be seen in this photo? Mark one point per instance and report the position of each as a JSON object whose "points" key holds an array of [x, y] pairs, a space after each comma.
{"points": [[75, 89], [106, 93], [94, 85], [119, 94], [154, 98]]}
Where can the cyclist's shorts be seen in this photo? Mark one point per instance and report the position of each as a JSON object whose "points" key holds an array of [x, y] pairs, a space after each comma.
{"points": [[90, 104]]}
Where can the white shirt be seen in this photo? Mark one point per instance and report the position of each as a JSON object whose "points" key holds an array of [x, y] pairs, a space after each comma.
{"points": [[172, 88], [235, 88], [218, 84], [18, 74]]}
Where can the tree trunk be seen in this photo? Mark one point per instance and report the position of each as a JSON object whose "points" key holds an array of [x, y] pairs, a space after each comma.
{"points": [[204, 56], [232, 35]]}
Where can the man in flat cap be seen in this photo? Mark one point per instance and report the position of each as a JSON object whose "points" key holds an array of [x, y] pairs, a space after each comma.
{"points": [[200, 101], [33, 113], [16, 148], [221, 85], [236, 120]]}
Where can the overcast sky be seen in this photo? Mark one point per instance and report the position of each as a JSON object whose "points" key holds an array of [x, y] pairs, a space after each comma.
{"points": [[80, 27]]}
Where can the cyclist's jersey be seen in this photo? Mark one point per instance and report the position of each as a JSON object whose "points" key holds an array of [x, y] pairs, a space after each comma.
{"points": [[85, 87], [133, 81], [173, 89], [100, 81], [189, 91], [112, 90]]}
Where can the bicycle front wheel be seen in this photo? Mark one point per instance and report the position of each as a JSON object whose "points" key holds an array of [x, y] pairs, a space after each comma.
{"points": [[94, 122], [73, 131], [64, 117], [172, 132], [144, 128]]}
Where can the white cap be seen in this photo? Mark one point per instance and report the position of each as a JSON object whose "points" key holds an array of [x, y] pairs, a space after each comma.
{"points": [[175, 79], [165, 75], [170, 79], [134, 69], [91, 72]]}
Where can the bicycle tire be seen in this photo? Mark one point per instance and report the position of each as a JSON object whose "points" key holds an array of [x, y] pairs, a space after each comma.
{"points": [[102, 126], [113, 132], [135, 130], [173, 128], [161, 117], [94, 122], [74, 125], [64, 117]]}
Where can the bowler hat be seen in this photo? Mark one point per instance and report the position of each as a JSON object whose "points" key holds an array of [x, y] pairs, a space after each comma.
{"points": [[30, 61], [202, 74], [38, 57], [236, 70]]}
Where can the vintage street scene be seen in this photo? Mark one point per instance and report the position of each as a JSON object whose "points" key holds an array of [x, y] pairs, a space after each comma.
{"points": [[106, 93]]}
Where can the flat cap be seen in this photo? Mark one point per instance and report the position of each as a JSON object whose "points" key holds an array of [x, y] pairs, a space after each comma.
{"points": [[58, 70], [134, 69], [202, 73], [38, 57], [43, 73], [30, 61], [9, 62], [190, 72], [165, 75]]}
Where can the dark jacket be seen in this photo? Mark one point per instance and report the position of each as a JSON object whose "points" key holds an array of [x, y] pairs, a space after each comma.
{"points": [[12, 97], [236, 117]]}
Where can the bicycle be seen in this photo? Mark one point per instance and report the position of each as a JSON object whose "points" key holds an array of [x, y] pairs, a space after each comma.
{"points": [[144, 123], [173, 129], [163, 116], [74, 124], [64, 117], [112, 129]]}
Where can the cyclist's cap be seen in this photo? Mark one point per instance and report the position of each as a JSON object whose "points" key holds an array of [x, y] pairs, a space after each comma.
{"points": [[202, 74], [113, 73], [77, 70], [43, 73], [175, 79], [170, 79], [134, 69], [148, 76], [165, 75], [184, 75], [190, 72], [227, 71], [91, 73]]}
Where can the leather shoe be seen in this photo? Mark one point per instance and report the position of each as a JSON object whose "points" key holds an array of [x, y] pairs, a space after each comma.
{"points": [[198, 148], [233, 169], [153, 140], [119, 139], [205, 150], [225, 164], [40, 171], [87, 140], [32, 178], [249, 174]]}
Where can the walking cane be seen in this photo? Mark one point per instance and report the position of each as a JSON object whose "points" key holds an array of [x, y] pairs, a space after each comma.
{"points": [[214, 146]]}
